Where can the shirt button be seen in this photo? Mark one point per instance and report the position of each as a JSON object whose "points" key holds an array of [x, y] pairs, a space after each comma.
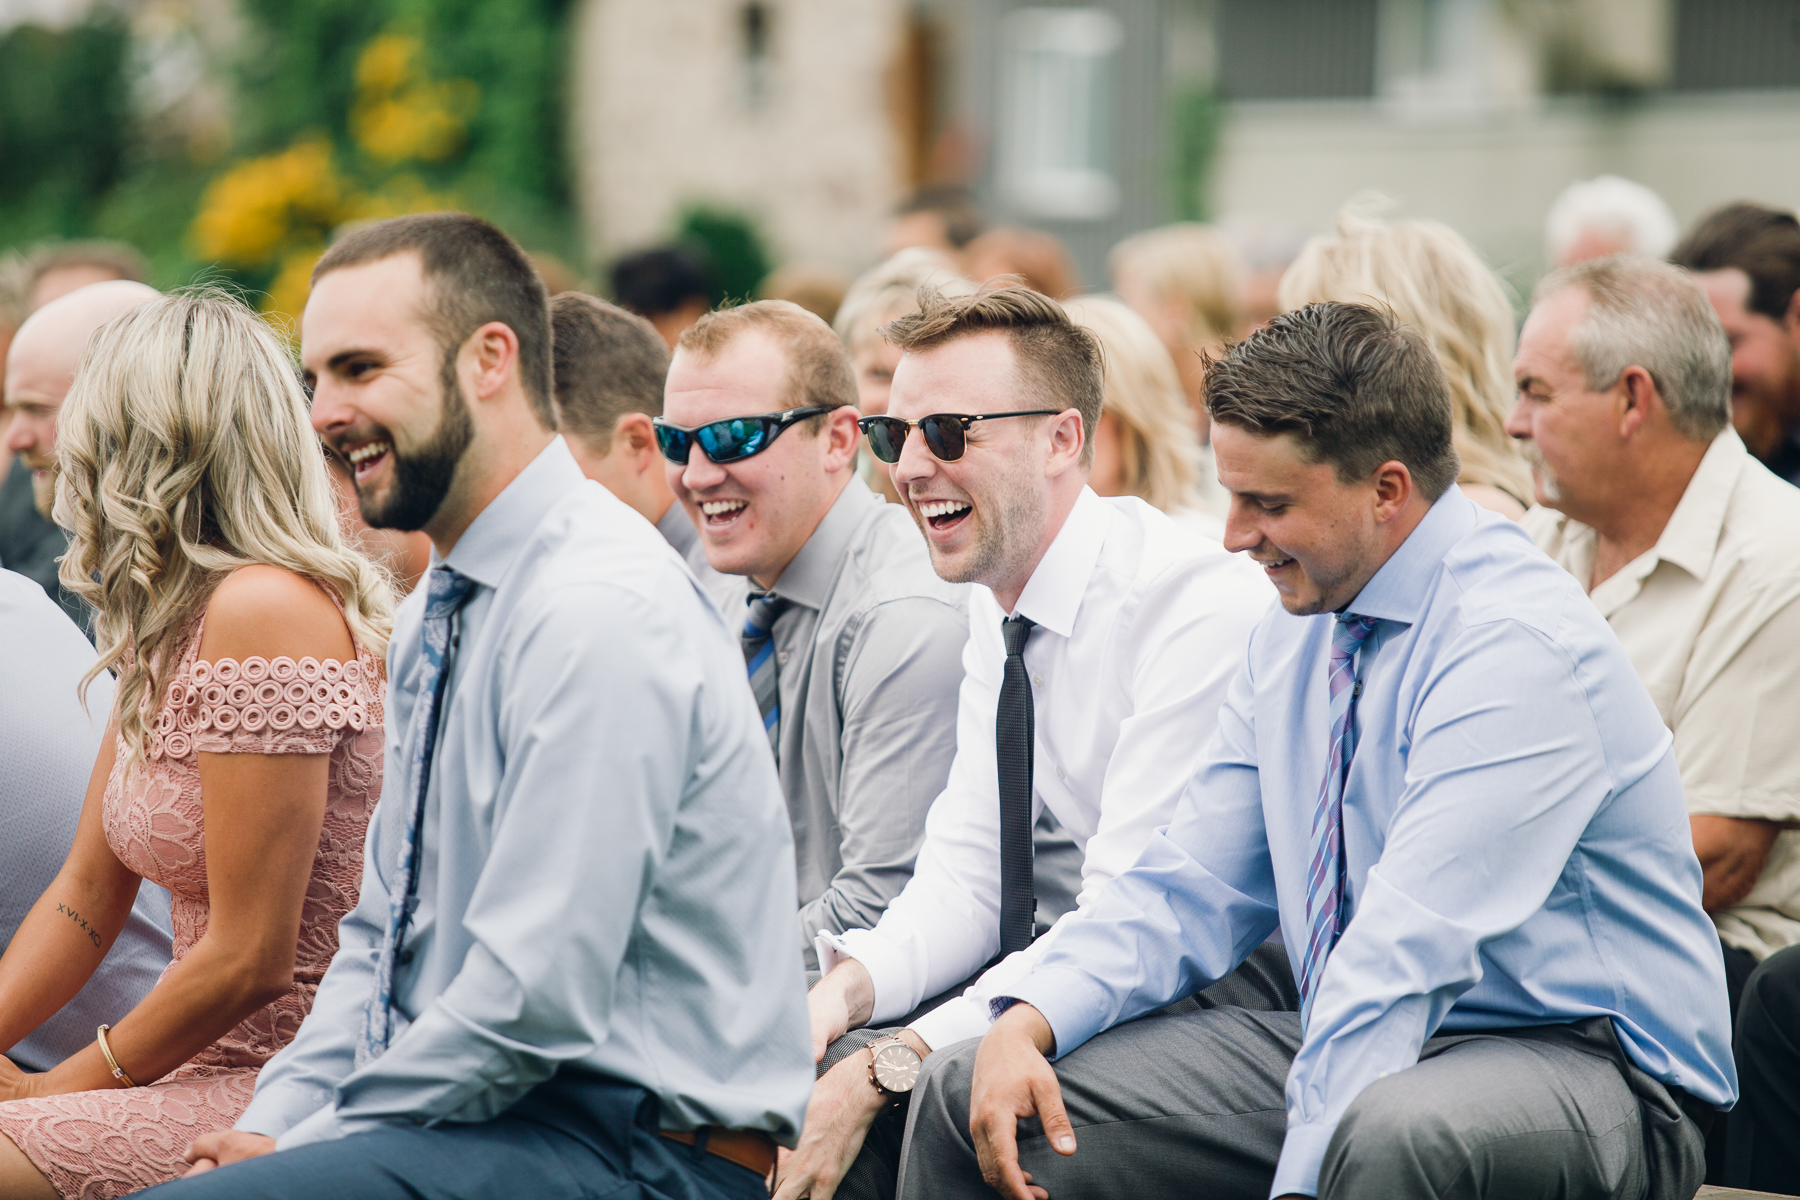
{"points": [[781, 657], [1061, 774], [1037, 680], [406, 957]]}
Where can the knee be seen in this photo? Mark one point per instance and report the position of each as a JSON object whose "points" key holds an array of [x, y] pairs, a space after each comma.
{"points": [[1391, 1124], [1771, 1003], [944, 1083]]}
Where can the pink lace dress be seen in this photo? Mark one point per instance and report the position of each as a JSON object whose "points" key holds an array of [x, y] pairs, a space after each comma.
{"points": [[98, 1145]]}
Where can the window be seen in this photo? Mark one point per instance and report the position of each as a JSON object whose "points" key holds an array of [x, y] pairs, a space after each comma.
{"points": [[1056, 116]]}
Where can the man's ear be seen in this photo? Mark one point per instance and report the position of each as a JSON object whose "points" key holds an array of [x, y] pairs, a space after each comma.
{"points": [[635, 437], [1393, 488], [1791, 322], [1637, 397], [1067, 437], [493, 350], [842, 437]]}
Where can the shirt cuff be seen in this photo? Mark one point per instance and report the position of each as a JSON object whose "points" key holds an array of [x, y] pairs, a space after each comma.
{"points": [[1302, 1154], [954, 1021], [322, 1126], [1074, 1002], [884, 963], [273, 1111]]}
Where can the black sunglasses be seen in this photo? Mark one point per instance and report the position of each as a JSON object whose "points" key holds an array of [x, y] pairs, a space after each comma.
{"points": [[729, 440], [944, 432]]}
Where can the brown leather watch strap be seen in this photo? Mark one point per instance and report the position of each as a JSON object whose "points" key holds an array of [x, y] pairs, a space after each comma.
{"points": [[751, 1149]]}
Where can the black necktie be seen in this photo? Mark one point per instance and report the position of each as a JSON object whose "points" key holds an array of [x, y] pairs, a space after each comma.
{"points": [[1013, 729]]}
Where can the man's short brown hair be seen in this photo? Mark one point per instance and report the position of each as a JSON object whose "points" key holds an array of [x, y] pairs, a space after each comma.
{"points": [[473, 274], [1059, 362], [609, 362], [819, 370], [1353, 385], [1763, 243]]}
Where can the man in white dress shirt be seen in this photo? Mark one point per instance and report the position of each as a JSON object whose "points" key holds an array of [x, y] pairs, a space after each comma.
{"points": [[570, 970], [1101, 642]]}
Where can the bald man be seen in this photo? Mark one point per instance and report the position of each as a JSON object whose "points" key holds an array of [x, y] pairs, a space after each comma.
{"points": [[40, 367]]}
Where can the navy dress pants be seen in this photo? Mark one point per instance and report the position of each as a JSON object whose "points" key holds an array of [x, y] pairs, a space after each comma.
{"points": [[577, 1136]]}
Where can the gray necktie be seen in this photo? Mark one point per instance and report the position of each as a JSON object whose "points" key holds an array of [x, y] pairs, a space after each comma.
{"points": [[759, 658]]}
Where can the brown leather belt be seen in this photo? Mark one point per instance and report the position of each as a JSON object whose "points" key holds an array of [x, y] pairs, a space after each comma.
{"points": [[749, 1148]]}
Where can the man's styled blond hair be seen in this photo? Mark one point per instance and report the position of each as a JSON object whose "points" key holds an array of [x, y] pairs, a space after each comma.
{"points": [[1429, 276], [1159, 452], [185, 451], [819, 370], [1057, 360]]}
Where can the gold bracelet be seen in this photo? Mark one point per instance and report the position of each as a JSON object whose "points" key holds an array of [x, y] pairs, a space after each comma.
{"points": [[117, 1071]]}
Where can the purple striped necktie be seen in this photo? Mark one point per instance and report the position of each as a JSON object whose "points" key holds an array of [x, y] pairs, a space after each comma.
{"points": [[1324, 881]]}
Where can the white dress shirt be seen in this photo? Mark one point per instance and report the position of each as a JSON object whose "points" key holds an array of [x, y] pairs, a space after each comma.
{"points": [[607, 875], [1140, 628]]}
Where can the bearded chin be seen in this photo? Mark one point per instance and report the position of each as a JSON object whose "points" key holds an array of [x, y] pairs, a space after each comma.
{"points": [[423, 477]]}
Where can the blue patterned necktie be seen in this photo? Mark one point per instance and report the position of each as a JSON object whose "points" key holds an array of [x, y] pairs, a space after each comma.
{"points": [[1325, 880], [759, 659], [446, 594]]}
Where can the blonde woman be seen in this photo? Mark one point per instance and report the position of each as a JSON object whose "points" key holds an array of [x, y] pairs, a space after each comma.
{"points": [[1144, 445], [1185, 280], [1434, 281], [243, 755], [888, 291]]}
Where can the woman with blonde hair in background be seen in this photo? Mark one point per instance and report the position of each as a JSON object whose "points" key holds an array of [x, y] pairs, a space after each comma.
{"points": [[1144, 444], [880, 295], [1433, 280], [243, 754], [1187, 282]]}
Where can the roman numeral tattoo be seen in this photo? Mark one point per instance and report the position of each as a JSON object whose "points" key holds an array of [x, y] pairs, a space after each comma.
{"points": [[93, 934]]}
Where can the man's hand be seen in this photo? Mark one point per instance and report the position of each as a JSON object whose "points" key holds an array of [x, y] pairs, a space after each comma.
{"points": [[1733, 852], [843, 1106], [224, 1148], [1013, 1079], [842, 1001]]}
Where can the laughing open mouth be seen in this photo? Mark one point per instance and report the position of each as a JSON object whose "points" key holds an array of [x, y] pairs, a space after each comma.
{"points": [[943, 514], [366, 458], [719, 513]]}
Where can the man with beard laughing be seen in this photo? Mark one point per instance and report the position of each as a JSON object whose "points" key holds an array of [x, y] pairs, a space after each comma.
{"points": [[571, 966], [1101, 640]]}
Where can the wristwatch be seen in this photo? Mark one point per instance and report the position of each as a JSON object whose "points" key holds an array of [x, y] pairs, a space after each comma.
{"points": [[893, 1067]]}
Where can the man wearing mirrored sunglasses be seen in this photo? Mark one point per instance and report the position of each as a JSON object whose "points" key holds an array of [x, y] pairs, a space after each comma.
{"points": [[852, 643], [1101, 642]]}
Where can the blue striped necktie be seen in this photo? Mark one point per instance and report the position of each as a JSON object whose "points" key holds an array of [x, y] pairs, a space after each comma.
{"points": [[447, 592], [1325, 879], [759, 659]]}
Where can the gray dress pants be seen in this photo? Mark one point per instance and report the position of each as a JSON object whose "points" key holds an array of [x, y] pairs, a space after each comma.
{"points": [[1264, 981], [1191, 1104]]}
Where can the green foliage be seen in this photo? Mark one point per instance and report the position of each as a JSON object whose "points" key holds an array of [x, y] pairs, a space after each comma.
{"points": [[64, 107], [731, 246], [1194, 128]]}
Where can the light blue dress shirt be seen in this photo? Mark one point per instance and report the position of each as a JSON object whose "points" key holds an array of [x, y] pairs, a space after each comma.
{"points": [[608, 875], [1516, 840]]}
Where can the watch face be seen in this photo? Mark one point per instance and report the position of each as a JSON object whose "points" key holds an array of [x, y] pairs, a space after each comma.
{"points": [[896, 1068]]}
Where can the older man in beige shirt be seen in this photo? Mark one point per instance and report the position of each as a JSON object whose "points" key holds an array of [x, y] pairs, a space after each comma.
{"points": [[1691, 550]]}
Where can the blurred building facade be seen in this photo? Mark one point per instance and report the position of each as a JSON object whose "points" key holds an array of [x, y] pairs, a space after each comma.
{"points": [[1095, 119]]}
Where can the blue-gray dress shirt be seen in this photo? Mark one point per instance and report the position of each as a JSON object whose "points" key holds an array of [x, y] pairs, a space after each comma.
{"points": [[607, 877], [1516, 840]]}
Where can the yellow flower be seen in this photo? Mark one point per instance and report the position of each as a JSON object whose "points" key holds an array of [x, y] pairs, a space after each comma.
{"points": [[286, 297], [399, 113], [251, 211]]}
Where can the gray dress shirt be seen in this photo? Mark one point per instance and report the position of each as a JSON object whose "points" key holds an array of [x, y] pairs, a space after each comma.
{"points": [[607, 877], [48, 744], [869, 659]]}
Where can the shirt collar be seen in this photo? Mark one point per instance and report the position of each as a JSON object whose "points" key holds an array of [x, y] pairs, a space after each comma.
{"points": [[486, 550], [1053, 594], [1691, 538], [1398, 589], [807, 580]]}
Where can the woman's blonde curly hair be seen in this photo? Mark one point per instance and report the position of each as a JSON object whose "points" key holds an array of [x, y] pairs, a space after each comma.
{"points": [[184, 451], [1435, 281]]}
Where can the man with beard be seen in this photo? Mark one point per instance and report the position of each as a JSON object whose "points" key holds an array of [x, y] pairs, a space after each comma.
{"points": [[1439, 777], [1747, 258], [1691, 550], [570, 971], [40, 367], [1101, 639]]}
